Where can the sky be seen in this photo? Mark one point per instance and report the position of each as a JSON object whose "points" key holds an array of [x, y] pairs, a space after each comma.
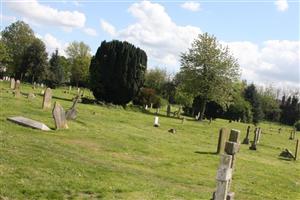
{"points": [[263, 35]]}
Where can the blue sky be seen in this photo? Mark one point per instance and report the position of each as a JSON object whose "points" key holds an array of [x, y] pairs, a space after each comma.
{"points": [[263, 35]]}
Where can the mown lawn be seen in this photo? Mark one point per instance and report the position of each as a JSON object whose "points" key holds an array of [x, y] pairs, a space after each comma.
{"points": [[116, 153]]}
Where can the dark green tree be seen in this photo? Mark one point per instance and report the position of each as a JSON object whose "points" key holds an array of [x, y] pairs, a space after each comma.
{"points": [[17, 37], [117, 72], [35, 61], [56, 71], [290, 110], [252, 96]]}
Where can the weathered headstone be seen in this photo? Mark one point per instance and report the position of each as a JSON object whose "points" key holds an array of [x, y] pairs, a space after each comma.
{"points": [[297, 149], [12, 83], [29, 122], [223, 137], [254, 142], [42, 92], [287, 154], [59, 116], [47, 99], [34, 85], [183, 120], [30, 96], [292, 135], [247, 140], [151, 105], [157, 111], [156, 124], [146, 107], [17, 88], [258, 135], [168, 110], [42, 85], [71, 114]]}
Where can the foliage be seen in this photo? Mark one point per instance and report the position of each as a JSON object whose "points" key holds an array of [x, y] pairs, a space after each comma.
{"points": [[117, 72], [4, 54], [208, 71], [35, 61], [290, 110], [240, 110], [56, 72], [79, 55], [147, 96], [66, 65], [17, 37], [297, 125], [252, 96], [269, 104], [155, 79]]}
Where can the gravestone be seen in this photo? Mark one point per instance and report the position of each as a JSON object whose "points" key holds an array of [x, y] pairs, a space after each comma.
{"points": [[70, 88], [151, 105], [47, 99], [42, 85], [17, 88], [183, 120], [12, 83], [30, 96], [58, 114], [172, 130], [146, 107], [157, 110], [71, 113], [168, 110], [292, 134], [223, 137], [42, 92], [34, 85], [29, 122], [247, 140], [254, 142], [258, 135], [156, 124], [287, 154], [297, 149]]}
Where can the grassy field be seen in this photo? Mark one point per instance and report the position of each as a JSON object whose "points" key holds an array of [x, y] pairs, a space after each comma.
{"points": [[116, 153]]}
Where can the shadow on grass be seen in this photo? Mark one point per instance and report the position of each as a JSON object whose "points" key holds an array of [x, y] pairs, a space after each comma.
{"points": [[206, 153]]}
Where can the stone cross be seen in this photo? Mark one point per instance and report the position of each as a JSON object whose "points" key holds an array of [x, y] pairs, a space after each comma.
{"points": [[17, 88], [223, 137], [168, 110], [47, 99], [59, 116], [156, 124], [246, 140], [12, 83]]}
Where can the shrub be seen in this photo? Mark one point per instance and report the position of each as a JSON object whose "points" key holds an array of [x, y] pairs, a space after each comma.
{"points": [[117, 72], [147, 96], [297, 125]]}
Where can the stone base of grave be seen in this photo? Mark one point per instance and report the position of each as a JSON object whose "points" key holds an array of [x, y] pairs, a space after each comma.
{"points": [[156, 125], [29, 123], [246, 141], [253, 147]]}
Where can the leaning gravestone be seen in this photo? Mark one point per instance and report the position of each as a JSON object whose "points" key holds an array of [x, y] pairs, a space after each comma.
{"points": [[17, 88], [72, 112], [29, 122], [47, 99], [246, 140], [59, 116], [12, 83]]}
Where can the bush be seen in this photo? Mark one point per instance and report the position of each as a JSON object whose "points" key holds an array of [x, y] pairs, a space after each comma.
{"points": [[297, 125], [147, 96], [117, 72]]}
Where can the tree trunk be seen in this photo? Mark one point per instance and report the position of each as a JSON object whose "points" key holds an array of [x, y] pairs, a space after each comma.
{"points": [[202, 109]]}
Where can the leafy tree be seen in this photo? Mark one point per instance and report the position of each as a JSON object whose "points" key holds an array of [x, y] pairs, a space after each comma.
{"points": [[56, 72], [147, 96], [155, 79], [290, 110], [117, 72], [66, 65], [35, 61], [269, 104], [17, 37], [252, 96], [4, 58], [80, 58], [208, 70]]}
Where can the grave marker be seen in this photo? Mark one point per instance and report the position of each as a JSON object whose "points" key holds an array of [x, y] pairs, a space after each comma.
{"points": [[29, 122], [59, 116], [17, 88], [223, 137], [12, 83], [246, 140], [47, 99], [254, 142], [168, 110], [156, 124]]}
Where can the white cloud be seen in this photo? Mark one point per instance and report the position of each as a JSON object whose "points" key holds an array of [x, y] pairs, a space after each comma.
{"points": [[156, 33], [191, 5], [90, 31], [276, 61], [43, 14], [53, 43], [282, 5], [107, 27], [9, 19]]}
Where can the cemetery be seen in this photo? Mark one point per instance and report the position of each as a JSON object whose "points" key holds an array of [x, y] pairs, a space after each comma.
{"points": [[149, 100], [116, 153]]}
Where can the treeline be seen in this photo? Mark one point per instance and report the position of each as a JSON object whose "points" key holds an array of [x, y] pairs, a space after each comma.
{"points": [[24, 56]]}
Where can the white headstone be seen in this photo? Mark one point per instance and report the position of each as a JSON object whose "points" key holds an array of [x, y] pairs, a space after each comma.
{"points": [[156, 124]]}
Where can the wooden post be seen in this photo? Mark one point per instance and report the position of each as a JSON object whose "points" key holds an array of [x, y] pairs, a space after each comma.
{"points": [[297, 149], [223, 136]]}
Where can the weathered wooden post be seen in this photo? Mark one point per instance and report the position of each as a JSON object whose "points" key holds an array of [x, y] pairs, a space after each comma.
{"points": [[223, 136], [246, 140]]}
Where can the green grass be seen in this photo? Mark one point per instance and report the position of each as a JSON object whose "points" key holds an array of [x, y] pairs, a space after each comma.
{"points": [[112, 153]]}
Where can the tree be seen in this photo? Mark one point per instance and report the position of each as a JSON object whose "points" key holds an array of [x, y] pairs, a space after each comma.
{"points": [[80, 58], [208, 70], [66, 65], [155, 79], [4, 58], [56, 72], [290, 110], [35, 61], [117, 72], [17, 37], [269, 104], [252, 96]]}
